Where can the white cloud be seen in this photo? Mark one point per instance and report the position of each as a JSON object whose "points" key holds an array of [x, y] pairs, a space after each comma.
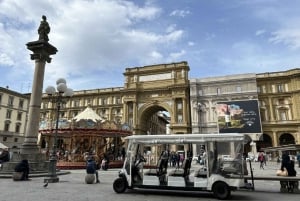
{"points": [[260, 32], [156, 55], [177, 55], [97, 39], [191, 43], [180, 13], [289, 37], [171, 28], [91, 36], [6, 60]]}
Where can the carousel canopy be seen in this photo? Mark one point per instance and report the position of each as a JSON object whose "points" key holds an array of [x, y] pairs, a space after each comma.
{"points": [[2, 146], [88, 114]]}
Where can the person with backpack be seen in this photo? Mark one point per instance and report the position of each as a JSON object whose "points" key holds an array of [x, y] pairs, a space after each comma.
{"points": [[92, 168]]}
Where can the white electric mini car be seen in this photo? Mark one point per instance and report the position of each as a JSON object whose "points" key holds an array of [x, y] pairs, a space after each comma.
{"points": [[149, 163]]}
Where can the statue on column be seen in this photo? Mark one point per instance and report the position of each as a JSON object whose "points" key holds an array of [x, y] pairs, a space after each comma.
{"points": [[44, 29]]}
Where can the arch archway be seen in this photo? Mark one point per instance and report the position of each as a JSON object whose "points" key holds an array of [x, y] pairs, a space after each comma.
{"points": [[286, 138], [264, 141], [152, 117], [150, 89]]}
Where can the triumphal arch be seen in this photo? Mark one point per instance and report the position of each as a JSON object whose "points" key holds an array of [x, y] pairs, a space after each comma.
{"points": [[149, 89]]}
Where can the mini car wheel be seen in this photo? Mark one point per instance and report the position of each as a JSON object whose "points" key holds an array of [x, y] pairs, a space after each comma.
{"points": [[120, 185], [221, 190]]}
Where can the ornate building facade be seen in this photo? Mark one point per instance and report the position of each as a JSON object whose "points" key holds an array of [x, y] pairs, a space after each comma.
{"points": [[155, 88], [13, 115], [148, 91], [206, 93], [190, 103], [279, 98]]}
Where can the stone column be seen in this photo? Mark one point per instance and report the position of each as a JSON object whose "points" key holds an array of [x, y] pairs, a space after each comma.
{"points": [[275, 139], [136, 121], [271, 109], [41, 54], [125, 113], [184, 111]]}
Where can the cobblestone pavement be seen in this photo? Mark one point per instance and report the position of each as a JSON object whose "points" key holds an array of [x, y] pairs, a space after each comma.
{"points": [[72, 187]]}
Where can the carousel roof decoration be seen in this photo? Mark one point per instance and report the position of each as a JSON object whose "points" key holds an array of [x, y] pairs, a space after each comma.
{"points": [[88, 114], [88, 122], [3, 146]]}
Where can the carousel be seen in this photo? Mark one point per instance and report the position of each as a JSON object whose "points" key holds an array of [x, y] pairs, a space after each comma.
{"points": [[86, 133]]}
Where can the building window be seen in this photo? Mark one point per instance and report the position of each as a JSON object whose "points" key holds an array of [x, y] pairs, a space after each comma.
{"points": [[62, 114], [75, 113], [130, 107], [45, 105], [8, 114], [4, 139], [279, 88], [218, 91], [263, 89], [258, 89], [6, 126], [179, 106], [16, 140], [21, 104], [283, 115], [10, 101], [180, 118], [281, 101], [118, 100], [76, 103], [63, 105], [130, 122], [200, 92], [43, 115], [18, 126], [19, 117], [88, 102]]}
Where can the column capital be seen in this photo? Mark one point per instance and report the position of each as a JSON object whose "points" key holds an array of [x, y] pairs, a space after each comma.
{"points": [[41, 50]]}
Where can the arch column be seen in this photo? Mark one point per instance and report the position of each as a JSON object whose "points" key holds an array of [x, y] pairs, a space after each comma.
{"points": [[135, 120], [271, 109], [184, 108], [275, 139], [125, 113]]}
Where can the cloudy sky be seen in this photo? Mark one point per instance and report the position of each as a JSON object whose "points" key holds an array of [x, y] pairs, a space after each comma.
{"points": [[98, 39]]}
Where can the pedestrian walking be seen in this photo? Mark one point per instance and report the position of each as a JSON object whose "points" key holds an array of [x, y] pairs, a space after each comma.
{"points": [[261, 159]]}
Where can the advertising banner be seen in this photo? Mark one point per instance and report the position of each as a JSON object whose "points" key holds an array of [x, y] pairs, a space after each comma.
{"points": [[239, 117]]}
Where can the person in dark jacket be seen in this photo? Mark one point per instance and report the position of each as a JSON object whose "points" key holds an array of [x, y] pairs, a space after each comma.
{"points": [[91, 168], [23, 167], [4, 156], [288, 164]]}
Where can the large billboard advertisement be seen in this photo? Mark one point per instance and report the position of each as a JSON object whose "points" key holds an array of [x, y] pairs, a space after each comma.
{"points": [[239, 117]]}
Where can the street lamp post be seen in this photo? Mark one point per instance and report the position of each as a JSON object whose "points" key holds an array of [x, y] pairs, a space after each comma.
{"points": [[56, 97]]}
